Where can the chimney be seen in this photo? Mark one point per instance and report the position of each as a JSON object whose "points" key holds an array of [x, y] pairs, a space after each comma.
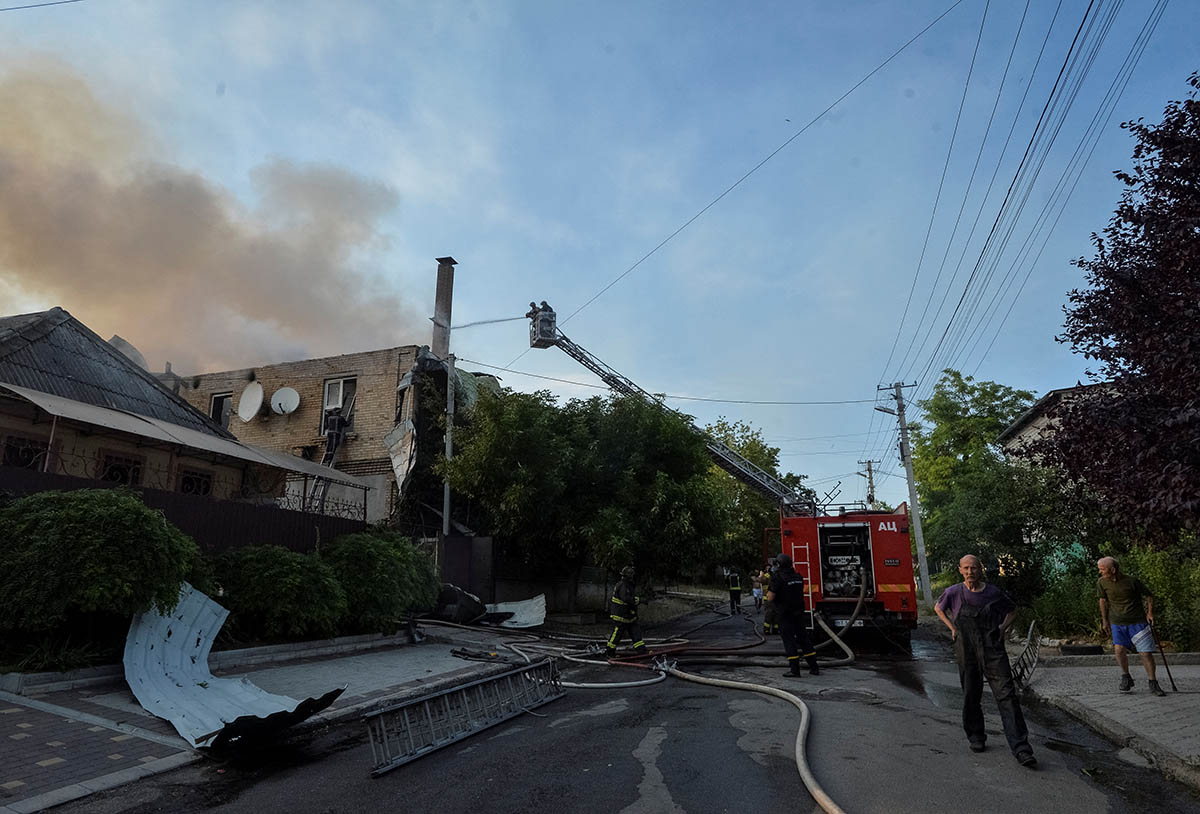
{"points": [[442, 306]]}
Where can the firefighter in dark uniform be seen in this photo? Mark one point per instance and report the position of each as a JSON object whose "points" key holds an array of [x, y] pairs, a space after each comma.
{"points": [[623, 609], [734, 581], [770, 618], [787, 593]]}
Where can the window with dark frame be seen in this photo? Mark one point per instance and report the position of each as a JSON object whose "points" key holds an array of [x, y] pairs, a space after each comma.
{"points": [[25, 453], [123, 469], [195, 482], [221, 408]]}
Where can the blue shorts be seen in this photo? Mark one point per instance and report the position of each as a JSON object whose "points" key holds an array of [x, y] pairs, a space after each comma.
{"points": [[1137, 637]]}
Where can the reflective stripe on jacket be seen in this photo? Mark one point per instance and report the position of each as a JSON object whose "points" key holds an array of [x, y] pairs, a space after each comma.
{"points": [[623, 605]]}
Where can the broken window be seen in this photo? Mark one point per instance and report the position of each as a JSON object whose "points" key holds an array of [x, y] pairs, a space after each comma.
{"points": [[220, 408]]}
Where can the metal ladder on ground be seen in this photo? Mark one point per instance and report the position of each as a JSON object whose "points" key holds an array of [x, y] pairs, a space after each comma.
{"points": [[412, 729]]}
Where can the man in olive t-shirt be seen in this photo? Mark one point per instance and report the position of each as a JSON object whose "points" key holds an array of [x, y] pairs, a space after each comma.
{"points": [[1127, 621]]}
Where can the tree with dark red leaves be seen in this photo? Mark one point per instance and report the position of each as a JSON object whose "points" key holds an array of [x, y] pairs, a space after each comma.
{"points": [[1136, 440]]}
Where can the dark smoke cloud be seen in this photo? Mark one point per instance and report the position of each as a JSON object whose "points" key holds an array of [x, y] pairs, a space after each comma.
{"points": [[171, 261]]}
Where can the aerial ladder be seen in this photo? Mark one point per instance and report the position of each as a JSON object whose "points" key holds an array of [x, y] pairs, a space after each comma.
{"points": [[544, 333]]}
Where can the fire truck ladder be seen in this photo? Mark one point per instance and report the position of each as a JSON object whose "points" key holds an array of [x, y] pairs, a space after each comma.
{"points": [[543, 333], [412, 729]]}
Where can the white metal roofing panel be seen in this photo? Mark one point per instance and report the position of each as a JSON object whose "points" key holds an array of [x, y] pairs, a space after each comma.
{"points": [[166, 666]]}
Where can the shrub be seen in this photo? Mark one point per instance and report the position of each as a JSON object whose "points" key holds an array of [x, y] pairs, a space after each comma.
{"points": [[1068, 606], [383, 575], [92, 551], [276, 593]]}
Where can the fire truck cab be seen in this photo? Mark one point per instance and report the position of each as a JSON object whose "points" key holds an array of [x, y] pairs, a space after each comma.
{"points": [[832, 551]]}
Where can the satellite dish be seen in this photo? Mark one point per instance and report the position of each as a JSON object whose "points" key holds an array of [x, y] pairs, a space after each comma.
{"points": [[250, 402], [285, 401]]}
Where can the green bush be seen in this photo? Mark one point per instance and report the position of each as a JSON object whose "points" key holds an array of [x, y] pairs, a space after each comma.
{"points": [[1068, 606], [383, 575], [89, 552], [274, 593], [1175, 582]]}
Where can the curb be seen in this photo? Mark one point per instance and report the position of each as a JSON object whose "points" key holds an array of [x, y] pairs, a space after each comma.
{"points": [[1160, 756], [38, 683], [109, 781], [1106, 660]]}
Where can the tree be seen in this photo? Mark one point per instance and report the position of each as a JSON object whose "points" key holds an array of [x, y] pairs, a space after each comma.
{"points": [[749, 511], [971, 498], [611, 481], [963, 417], [1136, 439]]}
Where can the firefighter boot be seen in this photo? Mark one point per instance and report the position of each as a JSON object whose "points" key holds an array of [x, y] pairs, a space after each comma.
{"points": [[793, 666], [813, 668], [610, 653]]}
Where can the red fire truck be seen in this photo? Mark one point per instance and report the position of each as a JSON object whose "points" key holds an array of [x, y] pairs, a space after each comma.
{"points": [[829, 550], [838, 553]]}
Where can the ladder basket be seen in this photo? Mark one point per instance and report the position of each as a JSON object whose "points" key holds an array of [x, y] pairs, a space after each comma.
{"points": [[412, 729]]}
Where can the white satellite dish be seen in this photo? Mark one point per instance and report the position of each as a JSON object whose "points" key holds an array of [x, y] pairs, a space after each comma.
{"points": [[250, 402], [285, 401]]}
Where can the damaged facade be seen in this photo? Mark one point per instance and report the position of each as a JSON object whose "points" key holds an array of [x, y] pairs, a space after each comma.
{"points": [[360, 385]]}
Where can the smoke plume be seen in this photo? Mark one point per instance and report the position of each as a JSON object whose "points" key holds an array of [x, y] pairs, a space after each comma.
{"points": [[134, 245]]}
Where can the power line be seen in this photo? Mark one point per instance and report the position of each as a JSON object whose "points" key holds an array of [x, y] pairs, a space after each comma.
{"points": [[966, 196], [961, 333], [667, 395], [941, 184], [1101, 118], [753, 169], [759, 165], [41, 5], [1022, 170]]}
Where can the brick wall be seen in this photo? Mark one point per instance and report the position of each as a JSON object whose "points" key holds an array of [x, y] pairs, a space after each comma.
{"points": [[377, 374]]}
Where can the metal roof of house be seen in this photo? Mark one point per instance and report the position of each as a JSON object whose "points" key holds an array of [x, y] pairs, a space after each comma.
{"points": [[166, 432], [52, 352]]}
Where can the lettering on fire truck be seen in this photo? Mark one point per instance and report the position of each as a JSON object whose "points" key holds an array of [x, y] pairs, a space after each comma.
{"points": [[887, 525]]}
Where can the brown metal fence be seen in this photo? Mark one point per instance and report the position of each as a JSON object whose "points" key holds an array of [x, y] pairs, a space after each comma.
{"points": [[215, 525]]}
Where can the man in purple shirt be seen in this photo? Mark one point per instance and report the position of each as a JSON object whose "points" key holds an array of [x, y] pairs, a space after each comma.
{"points": [[978, 615]]}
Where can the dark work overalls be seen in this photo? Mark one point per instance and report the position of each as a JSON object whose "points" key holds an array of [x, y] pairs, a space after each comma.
{"points": [[793, 626], [980, 650]]}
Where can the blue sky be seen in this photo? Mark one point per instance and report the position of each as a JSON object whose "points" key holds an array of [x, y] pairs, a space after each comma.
{"points": [[273, 180]]}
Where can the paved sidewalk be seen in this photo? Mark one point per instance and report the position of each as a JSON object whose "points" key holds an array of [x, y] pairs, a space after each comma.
{"points": [[65, 744], [1165, 731]]}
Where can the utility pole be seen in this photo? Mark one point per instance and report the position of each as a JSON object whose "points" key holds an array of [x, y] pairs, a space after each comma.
{"points": [[915, 507], [870, 476], [443, 300]]}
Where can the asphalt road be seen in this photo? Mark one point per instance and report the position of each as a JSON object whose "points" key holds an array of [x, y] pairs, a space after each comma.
{"points": [[886, 737]]}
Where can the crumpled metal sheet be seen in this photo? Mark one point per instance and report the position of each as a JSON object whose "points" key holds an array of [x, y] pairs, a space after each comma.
{"points": [[525, 612], [166, 666]]}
